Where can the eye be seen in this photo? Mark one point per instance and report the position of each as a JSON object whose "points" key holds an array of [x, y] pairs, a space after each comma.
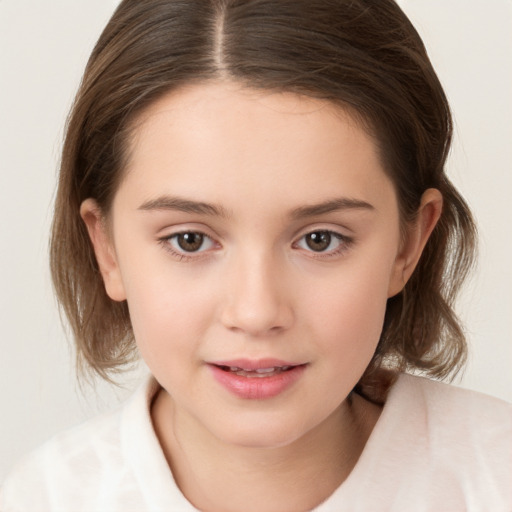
{"points": [[323, 241], [190, 241]]}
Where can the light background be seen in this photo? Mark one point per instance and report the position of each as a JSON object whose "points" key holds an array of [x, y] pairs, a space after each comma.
{"points": [[43, 49]]}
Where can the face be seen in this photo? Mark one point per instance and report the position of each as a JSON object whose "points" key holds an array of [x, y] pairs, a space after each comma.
{"points": [[256, 239]]}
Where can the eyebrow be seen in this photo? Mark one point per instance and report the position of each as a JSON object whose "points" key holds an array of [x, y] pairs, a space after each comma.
{"points": [[330, 206], [183, 205], [202, 208]]}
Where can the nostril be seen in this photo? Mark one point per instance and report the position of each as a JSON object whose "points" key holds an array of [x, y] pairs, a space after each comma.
{"points": [[256, 303]]}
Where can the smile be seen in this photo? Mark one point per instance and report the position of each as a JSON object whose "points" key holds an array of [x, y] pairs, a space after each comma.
{"points": [[257, 373], [256, 380]]}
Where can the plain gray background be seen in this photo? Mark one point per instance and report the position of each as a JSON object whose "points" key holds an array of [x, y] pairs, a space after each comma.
{"points": [[43, 49]]}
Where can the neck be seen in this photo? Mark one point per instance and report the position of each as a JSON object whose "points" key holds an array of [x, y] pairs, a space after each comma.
{"points": [[216, 476]]}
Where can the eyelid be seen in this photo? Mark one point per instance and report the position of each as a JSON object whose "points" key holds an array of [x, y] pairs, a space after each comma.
{"points": [[345, 242], [328, 227], [165, 241], [205, 239]]}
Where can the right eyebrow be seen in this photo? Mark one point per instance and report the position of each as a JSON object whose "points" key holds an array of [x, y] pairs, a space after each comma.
{"points": [[183, 205]]}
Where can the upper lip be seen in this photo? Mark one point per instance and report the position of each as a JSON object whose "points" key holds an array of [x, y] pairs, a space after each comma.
{"points": [[254, 364]]}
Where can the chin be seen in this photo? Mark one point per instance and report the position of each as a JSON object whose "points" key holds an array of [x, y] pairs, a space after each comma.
{"points": [[262, 433]]}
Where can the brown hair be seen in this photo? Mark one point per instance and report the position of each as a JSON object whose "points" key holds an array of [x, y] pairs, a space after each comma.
{"points": [[361, 54]]}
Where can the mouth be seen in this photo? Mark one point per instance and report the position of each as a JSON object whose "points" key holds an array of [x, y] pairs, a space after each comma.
{"points": [[261, 379], [257, 373]]}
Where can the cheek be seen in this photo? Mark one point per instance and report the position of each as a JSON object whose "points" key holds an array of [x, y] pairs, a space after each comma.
{"points": [[167, 316], [349, 309]]}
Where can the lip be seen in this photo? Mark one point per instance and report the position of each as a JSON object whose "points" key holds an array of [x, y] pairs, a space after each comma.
{"points": [[256, 388], [255, 364]]}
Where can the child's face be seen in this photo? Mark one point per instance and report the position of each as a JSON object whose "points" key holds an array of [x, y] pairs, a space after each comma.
{"points": [[254, 230]]}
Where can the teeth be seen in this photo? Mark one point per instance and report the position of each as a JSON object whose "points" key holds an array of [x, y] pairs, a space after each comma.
{"points": [[266, 370], [258, 372]]}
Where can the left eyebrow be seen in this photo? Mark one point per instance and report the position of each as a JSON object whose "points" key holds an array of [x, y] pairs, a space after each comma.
{"points": [[183, 205], [332, 205]]}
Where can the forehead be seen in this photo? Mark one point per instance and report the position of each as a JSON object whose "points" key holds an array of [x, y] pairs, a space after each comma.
{"points": [[229, 142]]}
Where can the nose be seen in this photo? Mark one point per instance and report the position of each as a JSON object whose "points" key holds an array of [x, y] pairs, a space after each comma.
{"points": [[257, 301]]}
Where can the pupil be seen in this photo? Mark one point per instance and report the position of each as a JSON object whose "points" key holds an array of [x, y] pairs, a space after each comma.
{"points": [[318, 241], [190, 242]]}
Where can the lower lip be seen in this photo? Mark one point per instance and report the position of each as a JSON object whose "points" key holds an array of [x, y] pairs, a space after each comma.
{"points": [[257, 388]]}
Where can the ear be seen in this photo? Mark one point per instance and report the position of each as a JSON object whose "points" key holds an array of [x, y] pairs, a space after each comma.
{"points": [[417, 236], [103, 248]]}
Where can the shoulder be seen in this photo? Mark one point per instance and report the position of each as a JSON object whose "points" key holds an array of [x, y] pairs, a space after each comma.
{"points": [[454, 418], [434, 447], [63, 471], [457, 440], [73, 454], [451, 408]]}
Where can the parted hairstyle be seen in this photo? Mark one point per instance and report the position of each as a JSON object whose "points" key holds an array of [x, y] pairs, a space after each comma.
{"points": [[363, 55]]}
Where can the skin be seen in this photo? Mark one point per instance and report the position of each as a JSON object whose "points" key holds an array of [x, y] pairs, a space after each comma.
{"points": [[255, 288]]}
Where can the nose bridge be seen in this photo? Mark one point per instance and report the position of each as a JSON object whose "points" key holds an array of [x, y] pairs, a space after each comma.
{"points": [[257, 300]]}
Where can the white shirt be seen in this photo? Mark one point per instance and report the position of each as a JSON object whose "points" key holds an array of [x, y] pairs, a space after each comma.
{"points": [[434, 448]]}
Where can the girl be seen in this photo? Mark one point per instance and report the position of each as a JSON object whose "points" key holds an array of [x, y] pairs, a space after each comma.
{"points": [[252, 196]]}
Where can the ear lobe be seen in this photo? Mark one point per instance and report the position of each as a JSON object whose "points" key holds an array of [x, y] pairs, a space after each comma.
{"points": [[103, 249], [418, 233]]}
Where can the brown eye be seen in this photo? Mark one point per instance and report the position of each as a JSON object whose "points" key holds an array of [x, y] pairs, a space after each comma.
{"points": [[189, 242], [328, 243], [318, 241]]}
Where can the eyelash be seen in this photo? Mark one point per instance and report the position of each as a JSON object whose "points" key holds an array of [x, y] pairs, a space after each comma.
{"points": [[345, 243], [166, 242]]}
